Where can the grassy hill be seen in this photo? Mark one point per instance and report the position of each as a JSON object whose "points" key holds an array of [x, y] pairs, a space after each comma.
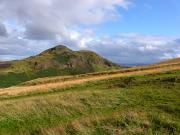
{"points": [[141, 100], [59, 60]]}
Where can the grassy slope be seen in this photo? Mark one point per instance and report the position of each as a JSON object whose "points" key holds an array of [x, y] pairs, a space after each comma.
{"points": [[128, 105]]}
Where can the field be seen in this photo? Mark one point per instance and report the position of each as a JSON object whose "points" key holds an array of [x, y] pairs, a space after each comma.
{"points": [[140, 100]]}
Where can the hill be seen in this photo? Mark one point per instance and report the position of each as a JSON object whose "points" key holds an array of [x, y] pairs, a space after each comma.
{"points": [[59, 60], [140, 100], [69, 62], [170, 61]]}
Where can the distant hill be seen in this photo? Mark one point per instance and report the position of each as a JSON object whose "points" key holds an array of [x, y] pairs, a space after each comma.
{"points": [[58, 60], [69, 61], [170, 61]]}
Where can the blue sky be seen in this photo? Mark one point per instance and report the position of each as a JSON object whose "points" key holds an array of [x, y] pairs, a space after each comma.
{"points": [[154, 17], [124, 31]]}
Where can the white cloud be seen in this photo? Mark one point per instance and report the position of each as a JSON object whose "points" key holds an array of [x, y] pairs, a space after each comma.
{"points": [[44, 19]]}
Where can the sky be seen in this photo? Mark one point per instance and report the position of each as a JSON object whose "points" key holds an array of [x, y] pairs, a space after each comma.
{"points": [[124, 31]]}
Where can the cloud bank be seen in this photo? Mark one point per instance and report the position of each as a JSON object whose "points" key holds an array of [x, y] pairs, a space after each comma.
{"points": [[29, 27], [138, 49]]}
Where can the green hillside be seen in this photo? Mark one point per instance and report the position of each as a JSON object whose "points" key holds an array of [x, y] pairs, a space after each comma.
{"points": [[59, 60], [135, 105]]}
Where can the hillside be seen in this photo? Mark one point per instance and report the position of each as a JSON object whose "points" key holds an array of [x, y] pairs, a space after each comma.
{"points": [[176, 60], [140, 100], [68, 61], [59, 60]]}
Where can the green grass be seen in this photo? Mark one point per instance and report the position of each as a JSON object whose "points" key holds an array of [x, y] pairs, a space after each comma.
{"points": [[129, 105]]}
